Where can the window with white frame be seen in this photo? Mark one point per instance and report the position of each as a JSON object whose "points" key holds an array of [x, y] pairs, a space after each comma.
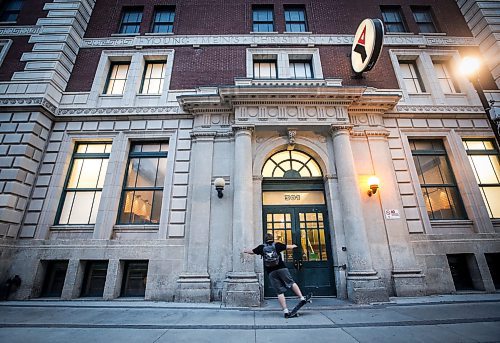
{"points": [[84, 183], [153, 77], [411, 77], [485, 162], [265, 67], [300, 69], [117, 77], [299, 64], [446, 80]]}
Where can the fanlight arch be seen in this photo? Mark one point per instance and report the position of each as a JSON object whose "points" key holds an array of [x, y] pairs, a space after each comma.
{"points": [[291, 164]]}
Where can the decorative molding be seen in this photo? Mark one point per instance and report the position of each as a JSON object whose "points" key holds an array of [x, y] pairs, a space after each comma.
{"points": [[19, 30], [118, 111], [29, 102], [366, 119], [240, 128], [203, 134], [338, 129], [263, 39], [291, 139], [438, 109], [257, 177], [327, 177], [377, 133], [300, 114]]}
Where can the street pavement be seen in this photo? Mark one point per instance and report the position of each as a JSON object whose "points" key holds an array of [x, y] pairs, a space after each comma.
{"points": [[449, 318]]}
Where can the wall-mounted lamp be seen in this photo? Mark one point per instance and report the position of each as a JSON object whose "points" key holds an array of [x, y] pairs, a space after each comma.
{"points": [[219, 186], [373, 182]]}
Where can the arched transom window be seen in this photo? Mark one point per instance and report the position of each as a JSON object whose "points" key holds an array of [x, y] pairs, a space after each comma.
{"points": [[291, 165]]}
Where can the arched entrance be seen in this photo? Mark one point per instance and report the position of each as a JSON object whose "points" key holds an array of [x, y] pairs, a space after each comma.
{"points": [[295, 211]]}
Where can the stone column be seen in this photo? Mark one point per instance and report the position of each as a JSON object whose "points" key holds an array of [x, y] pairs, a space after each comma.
{"points": [[406, 274], [363, 284], [241, 287], [194, 282]]}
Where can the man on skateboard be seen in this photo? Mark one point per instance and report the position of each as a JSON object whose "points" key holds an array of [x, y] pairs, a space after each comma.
{"points": [[279, 275]]}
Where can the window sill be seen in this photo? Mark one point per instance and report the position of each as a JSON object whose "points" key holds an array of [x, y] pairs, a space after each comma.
{"points": [[143, 95], [159, 34], [264, 33], [73, 227], [136, 228], [111, 95], [449, 223], [419, 95], [125, 34], [433, 34], [455, 95], [8, 22], [297, 33], [399, 33]]}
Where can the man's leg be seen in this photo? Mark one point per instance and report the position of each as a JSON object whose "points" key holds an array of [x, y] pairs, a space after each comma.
{"points": [[282, 301], [296, 290]]}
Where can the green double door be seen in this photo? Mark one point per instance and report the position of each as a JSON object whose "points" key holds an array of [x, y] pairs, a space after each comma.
{"points": [[311, 263]]}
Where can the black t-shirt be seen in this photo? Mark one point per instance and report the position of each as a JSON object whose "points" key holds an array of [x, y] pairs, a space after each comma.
{"points": [[279, 248]]}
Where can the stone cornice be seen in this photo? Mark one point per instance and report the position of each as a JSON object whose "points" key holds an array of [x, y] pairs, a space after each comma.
{"points": [[19, 30], [98, 111], [29, 101], [269, 39], [195, 134], [437, 109], [337, 129], [243, 128]]}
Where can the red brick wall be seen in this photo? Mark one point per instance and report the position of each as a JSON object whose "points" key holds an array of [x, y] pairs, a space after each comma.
{"points": [[235, 16], [12, 61]]}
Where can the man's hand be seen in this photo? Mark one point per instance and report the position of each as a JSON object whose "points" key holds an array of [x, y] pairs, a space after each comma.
{"points": [[291, 246]]}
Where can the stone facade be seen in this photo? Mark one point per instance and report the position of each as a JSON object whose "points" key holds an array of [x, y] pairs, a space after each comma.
{"points": [[222, 122]]}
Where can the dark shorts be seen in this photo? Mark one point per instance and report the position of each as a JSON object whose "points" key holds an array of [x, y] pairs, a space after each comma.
{"points": [[281, 280]]}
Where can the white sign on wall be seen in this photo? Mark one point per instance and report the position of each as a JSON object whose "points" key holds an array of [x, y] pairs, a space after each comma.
{"points": [[367, 45], [392, 214]]}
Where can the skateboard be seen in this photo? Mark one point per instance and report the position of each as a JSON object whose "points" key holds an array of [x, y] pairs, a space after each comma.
{"points": [[301, 303]]}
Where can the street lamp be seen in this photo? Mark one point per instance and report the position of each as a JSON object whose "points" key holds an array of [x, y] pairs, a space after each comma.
{"points": [[470, 68]]}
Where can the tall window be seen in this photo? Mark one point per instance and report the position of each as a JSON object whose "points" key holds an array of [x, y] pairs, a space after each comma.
{"points": [[393, 19], [300, 69], [485, 161], [143, 188], [295, 19], [439, 188], [263, 20], [163, 20], [131, 20], [446, 80], [115, 84], [411, 77], [264, 68], [423, 18], [10, 10], [152, 80], [82, 192]]}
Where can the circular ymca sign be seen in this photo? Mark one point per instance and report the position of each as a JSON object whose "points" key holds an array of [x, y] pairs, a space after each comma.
{"points": [[367, 45]]}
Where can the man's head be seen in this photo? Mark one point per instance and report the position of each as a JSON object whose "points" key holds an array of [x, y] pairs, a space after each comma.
{"points": [[269, 238]]}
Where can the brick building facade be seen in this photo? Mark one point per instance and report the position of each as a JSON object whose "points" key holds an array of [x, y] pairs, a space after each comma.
{"points": [[117, 120]]}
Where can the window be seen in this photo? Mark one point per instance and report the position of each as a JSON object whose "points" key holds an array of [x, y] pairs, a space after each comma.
{"points": [[55, 274], [423, 18], [446, 80], [117, 76], [411, 77], [131, 20], [301, 69], [291, 164], [94, 278], [152, 80], [263, 19], [393, 19], [485, 161], [134, 279], [82, 192], [10, 10], [143, 187], [437, 181], [264, 67], [295, 19], [163, 20]]}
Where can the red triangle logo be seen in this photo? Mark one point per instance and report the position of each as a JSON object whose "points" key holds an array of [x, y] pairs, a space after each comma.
{"points": [[361, 39]]}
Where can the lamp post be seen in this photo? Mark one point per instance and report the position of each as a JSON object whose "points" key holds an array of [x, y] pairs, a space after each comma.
{"points": [[470, 67]]}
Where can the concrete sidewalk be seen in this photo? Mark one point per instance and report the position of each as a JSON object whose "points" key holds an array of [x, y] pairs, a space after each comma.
{"points": [[452, 318]]}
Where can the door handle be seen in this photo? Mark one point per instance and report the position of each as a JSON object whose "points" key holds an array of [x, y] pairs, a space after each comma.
{"points": [[301, 263], [298, 264]]}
